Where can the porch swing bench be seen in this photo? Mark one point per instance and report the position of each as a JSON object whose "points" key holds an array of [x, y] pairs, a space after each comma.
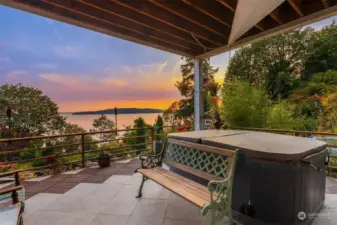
{"points": [[214, 165]]}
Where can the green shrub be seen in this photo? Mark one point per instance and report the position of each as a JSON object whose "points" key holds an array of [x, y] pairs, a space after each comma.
{"points": [[38, 163], [27, 155], [243, 105], [283, 116]]}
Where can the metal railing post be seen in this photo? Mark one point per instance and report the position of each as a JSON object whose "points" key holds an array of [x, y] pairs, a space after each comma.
{"points": [[82, 148], [17, 179], [152, 138]]}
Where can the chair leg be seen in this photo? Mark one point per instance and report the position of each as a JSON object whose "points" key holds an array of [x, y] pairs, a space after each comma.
{"points": [[141, 187]]}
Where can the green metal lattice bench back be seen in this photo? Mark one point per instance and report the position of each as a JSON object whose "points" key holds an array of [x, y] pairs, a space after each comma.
{"points": [[203, 161]]}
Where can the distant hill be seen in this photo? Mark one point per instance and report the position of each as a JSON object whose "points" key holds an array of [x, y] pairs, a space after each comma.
{"points": [[120, 111]]}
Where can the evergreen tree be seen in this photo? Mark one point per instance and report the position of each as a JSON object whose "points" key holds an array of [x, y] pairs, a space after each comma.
{"points": [[184, 108]]}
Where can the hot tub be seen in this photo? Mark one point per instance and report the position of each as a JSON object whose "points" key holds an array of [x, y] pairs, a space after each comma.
{"points": [[279, 179]]}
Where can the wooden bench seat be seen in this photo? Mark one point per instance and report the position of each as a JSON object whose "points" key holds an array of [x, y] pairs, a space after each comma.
{"points": [[193, 192], [212, 164]]}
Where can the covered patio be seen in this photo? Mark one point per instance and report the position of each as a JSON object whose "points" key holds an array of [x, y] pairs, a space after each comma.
{"points": [[112, 201], [190, 28]]}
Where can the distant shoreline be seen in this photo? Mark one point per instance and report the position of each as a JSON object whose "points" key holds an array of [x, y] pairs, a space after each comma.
{"points": [[120, 111]]}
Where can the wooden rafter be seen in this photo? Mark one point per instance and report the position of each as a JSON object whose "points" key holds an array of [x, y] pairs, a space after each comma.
{"points": [[230, 4], [188, 13], [120, 11], [64, 6], [326, 3], [212, 10], [295, 4], [161, 15], [276, 16]]}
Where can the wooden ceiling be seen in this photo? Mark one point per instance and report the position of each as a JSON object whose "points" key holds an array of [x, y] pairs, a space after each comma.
{"points": [[185, 27]]}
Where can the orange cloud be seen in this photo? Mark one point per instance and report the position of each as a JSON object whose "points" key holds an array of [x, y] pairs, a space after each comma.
{"points": [[150, 85]]}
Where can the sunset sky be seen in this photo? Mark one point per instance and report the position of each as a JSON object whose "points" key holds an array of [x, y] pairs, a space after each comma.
{"points": [[84, 70]]}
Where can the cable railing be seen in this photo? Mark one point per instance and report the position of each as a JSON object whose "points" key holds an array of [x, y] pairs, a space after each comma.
{"points": [[69, 151]]}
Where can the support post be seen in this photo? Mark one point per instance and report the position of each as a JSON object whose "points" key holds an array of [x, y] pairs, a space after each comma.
{"points": [[198, 94]]}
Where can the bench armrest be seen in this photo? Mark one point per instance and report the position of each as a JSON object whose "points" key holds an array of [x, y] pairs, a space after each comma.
{"points": [[218, 186], [150, 160]]}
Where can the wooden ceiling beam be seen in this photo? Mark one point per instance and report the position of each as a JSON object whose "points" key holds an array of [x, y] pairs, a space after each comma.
{"points": [[231, 5], [67, 8], [212, 9], [122, 12], [161, 15], [276, 15], [326, 3], [296, 5], [193, 15]]}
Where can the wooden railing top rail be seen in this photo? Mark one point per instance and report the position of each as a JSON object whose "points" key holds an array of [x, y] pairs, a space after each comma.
{"points": [[286, 131]]}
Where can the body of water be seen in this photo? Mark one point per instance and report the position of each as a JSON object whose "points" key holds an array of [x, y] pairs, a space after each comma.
{"points": [[123, 120]]}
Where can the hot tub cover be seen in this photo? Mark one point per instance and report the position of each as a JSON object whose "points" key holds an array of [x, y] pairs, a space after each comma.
{"points": [[196, 136], [268, 146]]}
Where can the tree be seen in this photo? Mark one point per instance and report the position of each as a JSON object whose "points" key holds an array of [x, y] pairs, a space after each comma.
{"points": [[73, 142], [33, 112], [321, 55], [158, 127], [138, 137], [274, 64], [184, 108], [103, 123], [244, 105]]}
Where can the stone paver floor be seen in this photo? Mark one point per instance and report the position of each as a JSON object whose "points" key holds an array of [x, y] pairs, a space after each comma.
{"points": [[61, 183], [107, 197]]}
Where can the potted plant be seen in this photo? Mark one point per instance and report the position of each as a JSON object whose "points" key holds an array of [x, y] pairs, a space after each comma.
{"points": [[103, 160]]}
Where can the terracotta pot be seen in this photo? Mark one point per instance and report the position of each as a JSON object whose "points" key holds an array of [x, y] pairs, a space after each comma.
{"points": [[103, 160]]}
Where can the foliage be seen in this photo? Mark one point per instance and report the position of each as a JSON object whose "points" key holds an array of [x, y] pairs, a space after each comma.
{"points": [[74, 141], [38, 163], [321, 55], [158, 127], [323, 84], [327, 120], [103, 123], [33, 112], [283, 116], [140, 124], [5, 168], [138, 137], [273, 64], [244, 105], [184, 108]]}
